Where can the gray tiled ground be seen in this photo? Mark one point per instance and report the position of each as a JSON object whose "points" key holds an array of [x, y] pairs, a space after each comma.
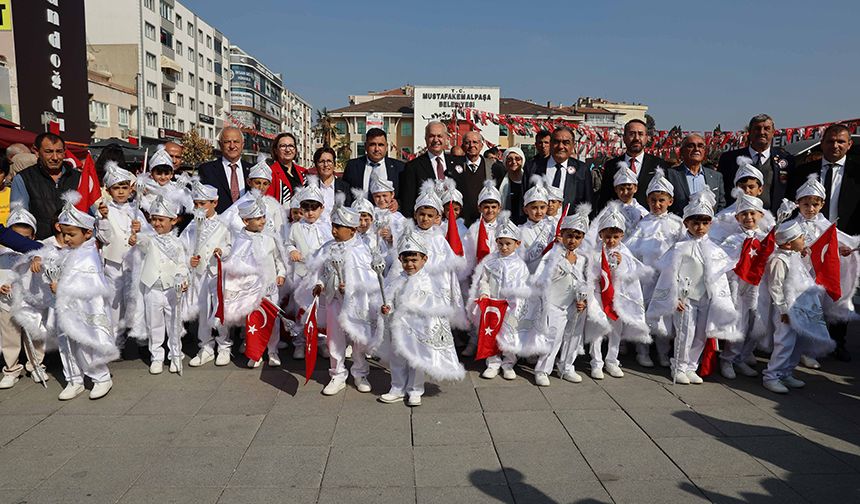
{"points": [[225, 435]]}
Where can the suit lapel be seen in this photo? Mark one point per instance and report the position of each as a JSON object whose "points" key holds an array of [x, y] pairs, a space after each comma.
{"points": [[221, 175]]}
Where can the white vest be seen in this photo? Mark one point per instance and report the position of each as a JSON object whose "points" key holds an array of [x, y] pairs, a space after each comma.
{"points": [[118, 225], [163, 259]]}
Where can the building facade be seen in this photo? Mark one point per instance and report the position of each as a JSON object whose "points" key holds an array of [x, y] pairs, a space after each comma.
{"points": [[255, 101], [297, 116]]}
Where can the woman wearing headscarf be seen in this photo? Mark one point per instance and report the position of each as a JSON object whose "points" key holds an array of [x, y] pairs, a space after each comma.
{"points": [[512, 184]]}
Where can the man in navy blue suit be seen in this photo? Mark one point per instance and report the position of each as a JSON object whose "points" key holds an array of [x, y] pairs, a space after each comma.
{"points": [[227, 174], [358, 170], [563, 170]]}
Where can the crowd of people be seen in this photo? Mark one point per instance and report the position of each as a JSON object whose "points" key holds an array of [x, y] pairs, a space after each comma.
{"points": [[404, 263]]}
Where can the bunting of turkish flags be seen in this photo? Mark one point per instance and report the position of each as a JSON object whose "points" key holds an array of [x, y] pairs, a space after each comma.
{"points": [[453, 234], [311, 334], [753, 259], [824, 254], [88, 187], [483, 247], [607, 290], [492, 316], [258, 329], [557, 231]]}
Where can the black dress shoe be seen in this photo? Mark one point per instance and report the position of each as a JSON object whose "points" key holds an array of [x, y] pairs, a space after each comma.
{"points": [[841, 354]]}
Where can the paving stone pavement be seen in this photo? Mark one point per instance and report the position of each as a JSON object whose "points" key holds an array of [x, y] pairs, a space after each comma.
{"points": [[236, 435]]}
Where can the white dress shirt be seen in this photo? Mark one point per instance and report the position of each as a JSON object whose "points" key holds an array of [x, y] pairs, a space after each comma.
{"points": [[240, 174], [835, 185], [551, 169], [328, 196], [639, 159], [477, 164], [433, 163], [368, 169], [765, 155]]}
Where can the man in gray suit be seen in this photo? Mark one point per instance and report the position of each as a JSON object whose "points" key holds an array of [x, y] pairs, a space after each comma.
{"points": [[691, 176]]}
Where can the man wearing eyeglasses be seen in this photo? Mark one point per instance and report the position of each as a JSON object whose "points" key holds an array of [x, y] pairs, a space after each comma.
{"points": [[227, 174], [563, 170], [692, 176], [358, 170]]}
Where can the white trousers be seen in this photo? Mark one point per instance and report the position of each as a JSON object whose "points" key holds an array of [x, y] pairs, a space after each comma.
{"points": [[160, 312], [786, 352], [77, 362], [566, 334], [613, 343], [299, 335], [204, 327], [404, 378], [505, 360], [690, 335], [337, 343], [116, 277], [737, 352]]}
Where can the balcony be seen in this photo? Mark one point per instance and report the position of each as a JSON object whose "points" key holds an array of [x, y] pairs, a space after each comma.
{"points": [[168, 107]]}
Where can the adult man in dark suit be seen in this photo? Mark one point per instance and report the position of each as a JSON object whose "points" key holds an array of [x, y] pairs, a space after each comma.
{"points": [[643, 165], [775, 164], [357, 171], [430, 166], [227, 174], [563, 170], [691, 176], [471, 176], [840, 174], [542, 149]]}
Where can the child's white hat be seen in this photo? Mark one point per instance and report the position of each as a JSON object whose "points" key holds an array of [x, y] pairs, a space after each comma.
{"points": [[411, 242], [202, 192], [114, 175], [380, 184], [161, 158], [812, 187], [360, 203], [624, 175], [312, 190], [71, 216], [20, 215], [744, 202], [660, 183], [537, 192], [252, 208], [261, 170], [787, 231], [701, 203], [343, 215], [613, 217], [579, 219], [747, 169], [505, 228], [489, 193], [427, 197], [163, 207]]}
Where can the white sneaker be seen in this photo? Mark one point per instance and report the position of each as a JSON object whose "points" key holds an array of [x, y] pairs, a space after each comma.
{"points": [[348, 352], [792, 382], [644, 360], [299, 353], [470, 349], [9, 381], [389, 398], [541, 380], [255, 363], [361, 384], [334, 386], [664, 360], [775, 386], [413, 400], [100, 389], [490, 373], [727, 370], [614, 370], [156, 367], [174, 365], [37, 379], [71, 391], [509, 374], [203, 356], [809, 362], [323, 351], [597, 373], [681, 378], [274, 360], [223, 357], [694, 378], [746, 370], [572, 377]]}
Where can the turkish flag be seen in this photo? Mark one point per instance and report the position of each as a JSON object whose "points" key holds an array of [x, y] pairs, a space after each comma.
{"points": [[557, 231], [492, 315], [709, 358], [311, 334], [88, 187], [753, 259], [72, 159], [453, 234], [607, 291], [824, 254], [258, 329], [219, 292], [483, 247]]}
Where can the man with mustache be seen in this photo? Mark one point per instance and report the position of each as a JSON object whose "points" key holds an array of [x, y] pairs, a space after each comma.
{"points": [[643, 165], [563, 170], [430, 166]]}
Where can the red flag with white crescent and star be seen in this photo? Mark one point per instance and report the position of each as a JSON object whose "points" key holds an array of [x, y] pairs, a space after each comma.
{"points": [[824, 254], [482, 248], [258, 329], [492, 316], [607, 290], [311, 334], [753, 259], [219, 291], [88, 186], [557, 231]]}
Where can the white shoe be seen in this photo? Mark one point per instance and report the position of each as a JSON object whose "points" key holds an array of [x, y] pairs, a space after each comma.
{"points": [[255, 363], [37, 379], [361, 384], [389, 398], [644, 360], [681, 378], [694, 378], [597, 373], [541, 380], [775, 386], [323, 351], [9, 381], [572, 377], [809, 362], [746, 370], [71, 391], [792, 382], [274, 360], [174, 365], [470, 349], [750, 360], [664, 360], [223, 357], [614, 370], [299, 353], [348, 352], [100, 389], [156, 367], [203, 356], [509, 374], [413, 400], [727, 370], [334, 386], [490, 373]]}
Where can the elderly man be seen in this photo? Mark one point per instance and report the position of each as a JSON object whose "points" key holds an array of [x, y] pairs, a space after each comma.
{"points": [[433, 166], [775, 164], [470, 178], [643, 165], [227, 174], [358, 170], [174, 150], [563, 170], [39, 187], [691, 176]]}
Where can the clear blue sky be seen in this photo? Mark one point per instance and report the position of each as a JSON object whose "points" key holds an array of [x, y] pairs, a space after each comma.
{"points": [[693, 63]]}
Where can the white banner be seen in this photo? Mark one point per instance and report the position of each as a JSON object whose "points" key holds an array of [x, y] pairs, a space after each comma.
{"points": [[438, 103]]}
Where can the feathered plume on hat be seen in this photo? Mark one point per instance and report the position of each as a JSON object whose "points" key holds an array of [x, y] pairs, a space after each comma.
{"points": [[71, 216], [489, 193], [427, 197], [360, 203], [505, 228], [660, 183], [785, 211], [343, 215], [613, 217], [579, 219], [161, 158], [537, 192]]}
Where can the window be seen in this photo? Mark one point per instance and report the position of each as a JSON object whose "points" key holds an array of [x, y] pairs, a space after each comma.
{"points": [[149, 31], [191, 104], [209, 110], [168, 121], [201, 83], [360, 149], [180, 125], [152, 119], [151, 90], [211, 132], [190, 79], [200, 36], [191, 55], [123, 116], [149, 4], [208, 42], [199, 59], [151, 62], [406, 129], [179, 48], [179, 75], [179, 21], [218, 68], [341, 127], [217, 89], [208, 87], [166, 38], [218, 46], [208, 64], [362, 129], [166, 11], [180, 100], [99, 113], [190, 29]]}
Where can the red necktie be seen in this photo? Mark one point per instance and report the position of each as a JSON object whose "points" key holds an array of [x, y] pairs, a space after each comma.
{"points": [[633, 164], [440, 169], [234, 182]]}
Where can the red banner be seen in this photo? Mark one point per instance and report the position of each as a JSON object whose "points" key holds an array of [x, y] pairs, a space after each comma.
{"points": [[311, 334], [258, 329], [824, 254], [607, 290], [753, 259], [492, 316]]}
